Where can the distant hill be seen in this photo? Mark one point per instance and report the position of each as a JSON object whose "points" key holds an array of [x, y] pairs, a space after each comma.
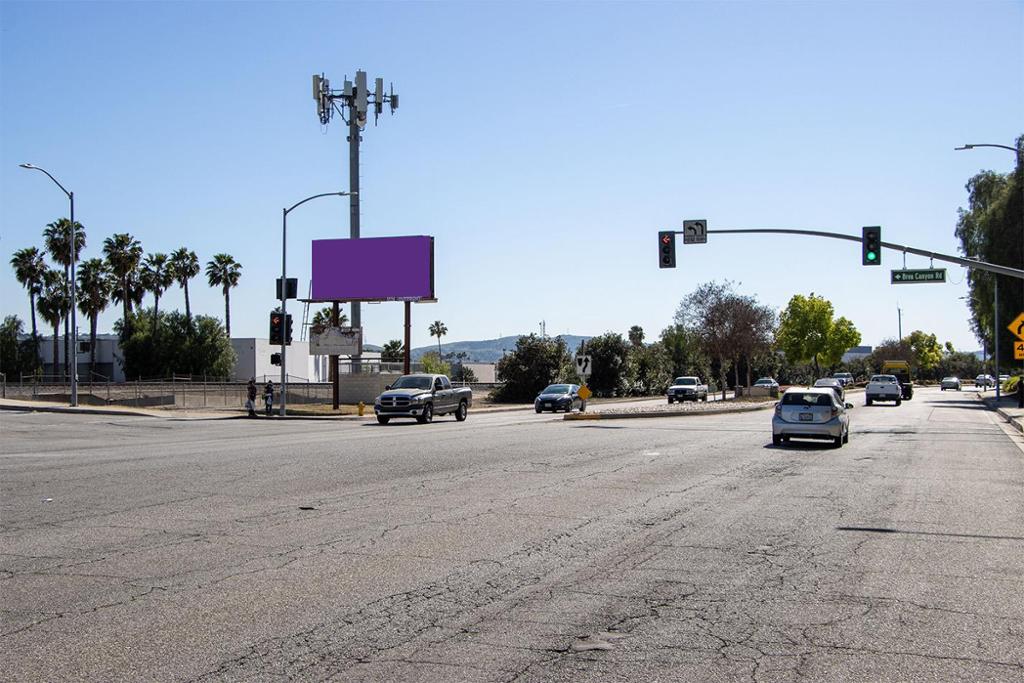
{"points": [[490, 350]]}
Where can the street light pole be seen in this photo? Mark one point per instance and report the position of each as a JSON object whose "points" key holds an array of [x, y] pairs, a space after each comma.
{"points": [[74, 292], [284, 290]]}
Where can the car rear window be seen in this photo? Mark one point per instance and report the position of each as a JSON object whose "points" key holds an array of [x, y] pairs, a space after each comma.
{"points": [[808, 399]]}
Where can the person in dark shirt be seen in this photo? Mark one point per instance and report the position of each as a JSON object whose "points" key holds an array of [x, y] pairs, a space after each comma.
{"points": [[250, 392]]}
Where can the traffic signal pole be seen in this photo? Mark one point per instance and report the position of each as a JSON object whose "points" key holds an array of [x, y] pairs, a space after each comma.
{"points": [[967, 263]]}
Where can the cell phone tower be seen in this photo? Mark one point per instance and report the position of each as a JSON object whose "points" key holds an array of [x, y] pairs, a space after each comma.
{"points": [[352, 103]]}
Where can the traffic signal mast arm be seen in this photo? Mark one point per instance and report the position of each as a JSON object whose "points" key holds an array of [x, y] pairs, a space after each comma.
{"points": [[969, 263]]}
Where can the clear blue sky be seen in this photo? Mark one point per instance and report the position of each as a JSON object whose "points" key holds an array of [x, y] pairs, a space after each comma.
{"points": [[543, 145]]}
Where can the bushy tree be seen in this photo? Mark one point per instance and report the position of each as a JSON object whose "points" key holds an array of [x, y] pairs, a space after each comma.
{"points": [[433, 364], [648, 369], [685, 353], [926, 350], [809, 333], [17, 356], [173, 346], [608, 354], [531, 366]]}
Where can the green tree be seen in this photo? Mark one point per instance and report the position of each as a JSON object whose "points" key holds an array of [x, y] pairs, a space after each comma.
{"points": [[156, 276], [438, 329], [224, 272], [685, 353], [531, 366], [393, 352], [177, 347], [57, 236], [183, 266], [809, 333], [992, 230], [433, 364], [17, 357], [608, 354], [926, 349], [29, 268], [124, 253], [95, 285], [648, 369]]}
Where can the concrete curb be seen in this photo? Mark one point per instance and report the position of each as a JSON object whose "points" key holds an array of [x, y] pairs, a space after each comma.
{"points": [[648, 414], [79, 410]]}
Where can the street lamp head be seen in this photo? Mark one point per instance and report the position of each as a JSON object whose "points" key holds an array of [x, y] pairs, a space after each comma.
{"points": [[26, 165], [958, 149]]}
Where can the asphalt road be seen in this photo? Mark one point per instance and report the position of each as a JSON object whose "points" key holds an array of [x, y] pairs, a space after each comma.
{"points": [[513, 547]]}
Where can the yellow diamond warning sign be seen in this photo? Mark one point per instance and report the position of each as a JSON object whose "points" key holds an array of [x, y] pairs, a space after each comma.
{"points": [[1017, 326], [584, 392]]}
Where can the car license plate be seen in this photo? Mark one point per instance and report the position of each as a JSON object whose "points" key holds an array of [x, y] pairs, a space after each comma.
{"points": [[806, 417], [547, 405]]}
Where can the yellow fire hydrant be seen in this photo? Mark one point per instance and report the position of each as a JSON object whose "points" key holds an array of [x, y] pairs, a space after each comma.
{"points": [[362, 407]]}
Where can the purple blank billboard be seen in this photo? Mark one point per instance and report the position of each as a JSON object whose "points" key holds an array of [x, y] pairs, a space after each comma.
{"points": [[373, 269]]}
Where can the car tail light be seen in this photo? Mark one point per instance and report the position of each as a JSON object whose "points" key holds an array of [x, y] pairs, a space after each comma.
{"points": [[778, 409]]}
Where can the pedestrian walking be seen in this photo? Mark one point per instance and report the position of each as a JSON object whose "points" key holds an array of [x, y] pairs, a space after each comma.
{"points": [[250, 392], [268, 397]]}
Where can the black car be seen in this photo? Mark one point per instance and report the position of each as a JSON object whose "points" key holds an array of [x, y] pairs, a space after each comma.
{"points": [[560, 397]]}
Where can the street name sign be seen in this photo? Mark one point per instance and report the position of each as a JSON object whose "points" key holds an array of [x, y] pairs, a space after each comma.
{"points": [[900, 277], [1017, 327], [584, 366], [695, 232]]}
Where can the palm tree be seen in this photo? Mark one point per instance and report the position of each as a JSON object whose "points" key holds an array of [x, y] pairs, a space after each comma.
{"points": [[95, 285], [29, 268], [123, 254], [438, 329], [156, 277], [54, 302], [224, 272], [58, 242], [322, 320], [393, 352], [636, 335], [184, 266]]}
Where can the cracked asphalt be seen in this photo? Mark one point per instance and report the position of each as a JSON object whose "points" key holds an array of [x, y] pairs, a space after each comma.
{"points": [[513, 547]]}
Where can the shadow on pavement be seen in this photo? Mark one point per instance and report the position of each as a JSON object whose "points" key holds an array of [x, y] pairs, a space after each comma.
{"points": [[885, 530]]}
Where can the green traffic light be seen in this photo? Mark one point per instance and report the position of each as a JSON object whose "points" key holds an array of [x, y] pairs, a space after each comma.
{"points": [[872, 256]]}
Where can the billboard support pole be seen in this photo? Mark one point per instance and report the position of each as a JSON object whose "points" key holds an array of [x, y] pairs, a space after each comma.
{"points": [[335, 383], [408, 336]]}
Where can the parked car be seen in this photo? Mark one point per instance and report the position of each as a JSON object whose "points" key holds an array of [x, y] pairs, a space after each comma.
{"points": [[687, 389], [560, 397], [883, 388], [812, 413], [422, 397], [845, 377], [950, 383], [984, 381], [767, 382], [833, 384]]}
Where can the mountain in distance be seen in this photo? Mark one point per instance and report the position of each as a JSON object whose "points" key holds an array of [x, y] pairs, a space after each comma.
{"points": [[490, 350]]}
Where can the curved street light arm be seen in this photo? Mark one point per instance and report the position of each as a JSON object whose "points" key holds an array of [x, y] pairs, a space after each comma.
{"points": [[57, 182]]}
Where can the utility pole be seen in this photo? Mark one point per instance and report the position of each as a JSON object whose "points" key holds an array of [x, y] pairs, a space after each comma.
{"points": [[352, 103], [899, 323]]}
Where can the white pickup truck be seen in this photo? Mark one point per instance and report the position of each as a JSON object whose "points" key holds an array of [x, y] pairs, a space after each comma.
{"points": [[883, 388], [687, 389]]}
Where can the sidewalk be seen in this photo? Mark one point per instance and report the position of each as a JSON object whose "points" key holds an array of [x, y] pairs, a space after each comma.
{"points": [[1006, 407]]}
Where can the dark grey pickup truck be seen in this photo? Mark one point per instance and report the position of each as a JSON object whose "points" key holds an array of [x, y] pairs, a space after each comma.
{"points": [[422, 397]]}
